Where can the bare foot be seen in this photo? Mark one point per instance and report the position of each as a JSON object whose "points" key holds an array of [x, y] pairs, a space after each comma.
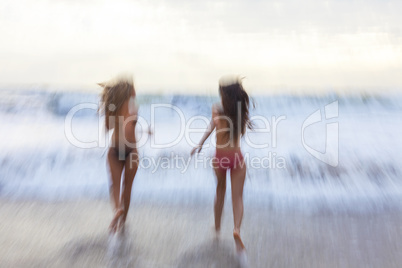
{"points": [[121, 224], [240, 250], [114, 224], [217, 234], [239, 244]]}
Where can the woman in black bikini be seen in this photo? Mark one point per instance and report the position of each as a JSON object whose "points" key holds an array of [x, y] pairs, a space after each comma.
{"points": [[118, 105]]}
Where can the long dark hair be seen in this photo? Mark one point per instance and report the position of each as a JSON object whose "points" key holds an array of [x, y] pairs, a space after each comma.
{"points": [[236, 102]]}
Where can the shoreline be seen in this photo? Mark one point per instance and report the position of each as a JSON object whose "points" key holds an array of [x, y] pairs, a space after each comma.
{"points": [[74, 234]]}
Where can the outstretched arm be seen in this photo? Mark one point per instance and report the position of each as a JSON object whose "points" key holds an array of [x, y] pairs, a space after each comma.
{"points": [[207, 133]]}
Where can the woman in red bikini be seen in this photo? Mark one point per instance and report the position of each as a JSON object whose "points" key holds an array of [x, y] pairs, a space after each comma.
{"points": [[118, 105], [230, 118]]}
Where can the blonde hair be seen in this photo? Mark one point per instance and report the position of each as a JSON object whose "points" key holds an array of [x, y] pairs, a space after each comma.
{"points": [[115, 93]]}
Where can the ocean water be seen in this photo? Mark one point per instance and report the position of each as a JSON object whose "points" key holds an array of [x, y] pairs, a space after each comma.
{"points": [[53, 148]]}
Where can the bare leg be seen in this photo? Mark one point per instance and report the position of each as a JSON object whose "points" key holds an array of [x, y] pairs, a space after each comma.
{"points": [[237, 178], [220, 197], [115, 169], [130, 169]]}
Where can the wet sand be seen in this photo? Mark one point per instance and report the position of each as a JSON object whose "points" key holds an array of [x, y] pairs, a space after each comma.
{"points": [[74, 234]]}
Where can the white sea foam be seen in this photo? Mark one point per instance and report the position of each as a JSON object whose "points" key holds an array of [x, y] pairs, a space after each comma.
{"points": [[37, 160]]}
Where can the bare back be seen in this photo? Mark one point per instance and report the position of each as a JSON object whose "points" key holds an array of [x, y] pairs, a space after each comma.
{"points": [[225, 136], [124, 126]]}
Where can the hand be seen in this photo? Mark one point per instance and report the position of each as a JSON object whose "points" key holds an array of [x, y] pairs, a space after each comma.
{"points": [[196, 149]]}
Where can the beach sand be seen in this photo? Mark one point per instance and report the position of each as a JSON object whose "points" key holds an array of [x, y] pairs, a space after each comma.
{"points": [[74, 234]]}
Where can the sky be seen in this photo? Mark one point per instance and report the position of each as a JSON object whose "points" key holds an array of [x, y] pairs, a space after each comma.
{"points": [[186, 46]]}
